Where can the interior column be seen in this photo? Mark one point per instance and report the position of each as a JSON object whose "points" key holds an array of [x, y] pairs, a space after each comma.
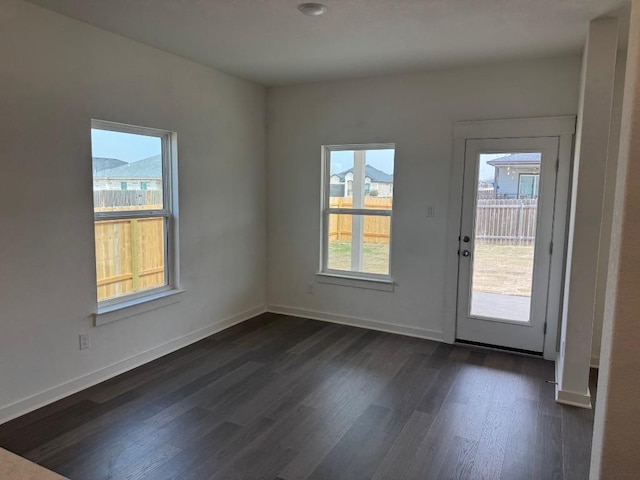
{"points": [[587, 197], [617, 417]]}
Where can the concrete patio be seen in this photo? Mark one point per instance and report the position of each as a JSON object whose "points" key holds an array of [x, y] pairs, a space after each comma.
{"points": [[507, 307]]}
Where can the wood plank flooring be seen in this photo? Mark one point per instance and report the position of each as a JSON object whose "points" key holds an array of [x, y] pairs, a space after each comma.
{"points": [[286, 398]]}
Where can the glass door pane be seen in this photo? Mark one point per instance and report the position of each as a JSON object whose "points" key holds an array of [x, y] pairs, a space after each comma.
{"points": [[505, 219]]}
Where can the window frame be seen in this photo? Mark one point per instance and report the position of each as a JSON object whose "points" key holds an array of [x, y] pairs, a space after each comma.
{"points": [[169, 213], [351, 276]]}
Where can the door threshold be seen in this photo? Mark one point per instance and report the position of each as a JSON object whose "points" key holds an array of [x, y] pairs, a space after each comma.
{"points": [[498, 348]]}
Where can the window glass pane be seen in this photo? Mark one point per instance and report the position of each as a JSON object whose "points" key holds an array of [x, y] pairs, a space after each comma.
{"points": [[341, 178], [374, 183], [359, 243], [378, 191], [130, 256], [529, 185], [127, 171]]}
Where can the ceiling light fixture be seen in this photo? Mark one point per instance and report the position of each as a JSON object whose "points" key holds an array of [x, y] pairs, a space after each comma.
{"points": [[312, 9]]}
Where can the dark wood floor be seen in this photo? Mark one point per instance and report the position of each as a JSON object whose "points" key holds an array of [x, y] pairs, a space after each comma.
{"points": [[285, 398]]}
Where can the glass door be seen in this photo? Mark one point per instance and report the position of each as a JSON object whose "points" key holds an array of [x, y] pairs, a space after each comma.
{"points": [[506, 231]]}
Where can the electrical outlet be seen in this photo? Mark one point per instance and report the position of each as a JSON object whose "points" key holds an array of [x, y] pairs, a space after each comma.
{"points": [[310, 288], [84, 341]]}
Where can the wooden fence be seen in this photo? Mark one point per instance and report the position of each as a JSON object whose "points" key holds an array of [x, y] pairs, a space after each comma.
{"points": [[506, 222], [105, 200], [376, 229], [129, 254], [502, 222]]}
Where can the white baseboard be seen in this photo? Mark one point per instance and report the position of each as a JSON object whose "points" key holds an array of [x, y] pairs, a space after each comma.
{"points": [[582, 400], [63, 390], [357, 322]]}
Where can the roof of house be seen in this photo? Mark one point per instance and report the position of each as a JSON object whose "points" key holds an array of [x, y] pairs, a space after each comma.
{"points": [[100, 163], [517, 159], [146, 168], [373, 173]]}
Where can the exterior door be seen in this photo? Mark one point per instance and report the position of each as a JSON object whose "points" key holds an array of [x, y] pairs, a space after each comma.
{"points": [[505, 241]]}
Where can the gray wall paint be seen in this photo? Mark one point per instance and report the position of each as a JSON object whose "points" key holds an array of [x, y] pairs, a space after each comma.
{"points": [[417, 112], [63, 74]]}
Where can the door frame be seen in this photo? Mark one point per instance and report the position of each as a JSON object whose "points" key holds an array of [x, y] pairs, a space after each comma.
{"points": [[562, 127]]}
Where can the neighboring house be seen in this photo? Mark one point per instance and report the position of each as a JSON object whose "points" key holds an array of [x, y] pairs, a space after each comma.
{"points": [[100, 163], [517, 175], [376, 183], [145, 174]]}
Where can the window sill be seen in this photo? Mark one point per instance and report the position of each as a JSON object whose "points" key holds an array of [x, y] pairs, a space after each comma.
{"points": [[131, 308], [385, 285]]}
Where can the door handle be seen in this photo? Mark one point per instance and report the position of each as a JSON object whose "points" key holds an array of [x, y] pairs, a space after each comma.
{"points": [[465, 253], [466, 239]]}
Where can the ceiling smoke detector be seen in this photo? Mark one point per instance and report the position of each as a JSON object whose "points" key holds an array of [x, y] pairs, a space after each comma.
{"points": [[312, 9]]}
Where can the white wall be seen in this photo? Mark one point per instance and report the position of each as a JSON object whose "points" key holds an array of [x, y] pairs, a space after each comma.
{"points": [[417, 112], [56, 74]]}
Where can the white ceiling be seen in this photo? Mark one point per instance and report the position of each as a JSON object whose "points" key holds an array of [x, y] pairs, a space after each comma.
{"points": [[272, 43]]}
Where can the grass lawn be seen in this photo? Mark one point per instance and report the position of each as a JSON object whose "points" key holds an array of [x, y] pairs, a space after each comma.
{"points": [[501, 269], [375, 257]]}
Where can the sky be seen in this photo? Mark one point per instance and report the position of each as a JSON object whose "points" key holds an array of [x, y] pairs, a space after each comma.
{"points": [[380, 159], [123, 146], [487, 172]]}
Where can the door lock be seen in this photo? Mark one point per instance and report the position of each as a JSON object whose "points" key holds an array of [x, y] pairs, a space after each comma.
{"points": [[465, 253], [466, 239]]}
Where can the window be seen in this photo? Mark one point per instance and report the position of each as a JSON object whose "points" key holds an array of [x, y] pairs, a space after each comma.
{"points": [[356, 210], [135, 227], [528, 186]]}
